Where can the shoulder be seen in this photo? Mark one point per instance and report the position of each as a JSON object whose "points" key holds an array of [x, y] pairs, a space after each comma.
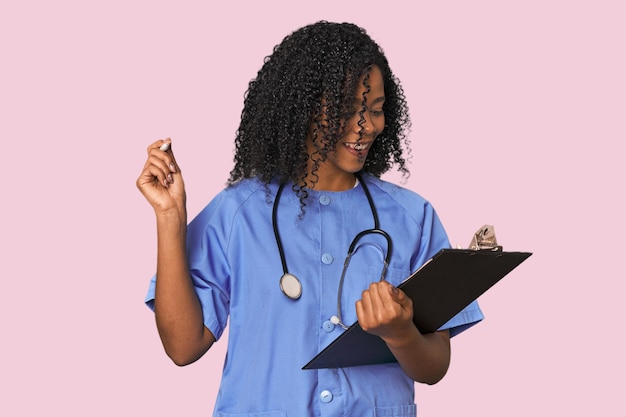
{"points": [[410, 218], [229, 202], [241, 192], [401, 197]]}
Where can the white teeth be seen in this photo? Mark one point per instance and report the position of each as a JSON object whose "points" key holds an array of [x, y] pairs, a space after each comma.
{"points": [[358, 146]]}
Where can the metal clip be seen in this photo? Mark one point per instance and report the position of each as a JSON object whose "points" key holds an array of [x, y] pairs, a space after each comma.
{"points": [[485, 239]]}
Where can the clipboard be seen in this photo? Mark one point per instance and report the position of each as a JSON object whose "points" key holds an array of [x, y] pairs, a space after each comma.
{"points": [[441, 288]]}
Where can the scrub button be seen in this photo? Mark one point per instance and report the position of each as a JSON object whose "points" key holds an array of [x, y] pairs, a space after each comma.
{"points": [[328, 326], [326, 396], [324, 200], [327, 258]]}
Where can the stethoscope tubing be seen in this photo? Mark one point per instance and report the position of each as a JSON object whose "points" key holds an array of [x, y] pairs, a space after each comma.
{"points": [[289, 283], [337, 319]]}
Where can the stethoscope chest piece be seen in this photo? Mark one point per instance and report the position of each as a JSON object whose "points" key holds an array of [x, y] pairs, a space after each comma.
{"points": [[289, 283], [290, 286]]}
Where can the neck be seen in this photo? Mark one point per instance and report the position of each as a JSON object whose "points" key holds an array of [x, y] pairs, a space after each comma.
{"points": [[332, 183]]}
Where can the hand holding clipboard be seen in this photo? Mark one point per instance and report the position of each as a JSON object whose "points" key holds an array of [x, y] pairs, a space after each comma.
{"points": [[441, 288]]}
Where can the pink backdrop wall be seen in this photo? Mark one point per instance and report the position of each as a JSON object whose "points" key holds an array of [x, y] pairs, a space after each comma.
{"points": [[519, 121]]}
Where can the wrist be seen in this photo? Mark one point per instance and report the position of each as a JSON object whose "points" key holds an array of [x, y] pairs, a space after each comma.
{"points": [[403, 338], [172, 219]]}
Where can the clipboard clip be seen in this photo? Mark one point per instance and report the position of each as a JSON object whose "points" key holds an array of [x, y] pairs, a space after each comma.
{"points": [[485, 239]]}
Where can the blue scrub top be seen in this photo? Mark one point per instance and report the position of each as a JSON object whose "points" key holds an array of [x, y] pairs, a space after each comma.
{"points": [[235, 266]]}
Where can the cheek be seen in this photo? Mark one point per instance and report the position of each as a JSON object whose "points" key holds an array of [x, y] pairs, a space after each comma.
{"points": [[379, 123], [352, 124]]}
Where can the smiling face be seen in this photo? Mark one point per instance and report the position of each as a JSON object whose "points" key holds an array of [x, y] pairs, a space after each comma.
{"points": [[336, 172]]}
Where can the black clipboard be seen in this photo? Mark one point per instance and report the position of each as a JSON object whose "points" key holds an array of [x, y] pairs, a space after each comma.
{"points": [[441, 288]]}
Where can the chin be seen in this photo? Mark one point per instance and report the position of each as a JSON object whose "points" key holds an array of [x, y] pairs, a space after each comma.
{"points": [[355, 169]]}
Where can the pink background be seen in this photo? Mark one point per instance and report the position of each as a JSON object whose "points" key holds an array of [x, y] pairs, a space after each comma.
{"points": [[519, 121]]}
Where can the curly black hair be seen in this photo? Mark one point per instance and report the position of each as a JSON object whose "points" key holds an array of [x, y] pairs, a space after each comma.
{"points": [[307, 85]]}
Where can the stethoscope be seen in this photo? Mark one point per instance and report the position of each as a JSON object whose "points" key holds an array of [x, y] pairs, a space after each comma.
{"points": [[291, 286]]}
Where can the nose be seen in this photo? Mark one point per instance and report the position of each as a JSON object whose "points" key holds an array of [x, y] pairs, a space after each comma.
{"points": [[365, 125]]}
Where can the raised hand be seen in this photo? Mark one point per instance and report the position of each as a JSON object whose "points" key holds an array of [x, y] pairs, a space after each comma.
{"points": [[161, 181]]}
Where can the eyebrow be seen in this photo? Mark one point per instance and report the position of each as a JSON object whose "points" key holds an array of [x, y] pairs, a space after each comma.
{"points": [[358, 101]]}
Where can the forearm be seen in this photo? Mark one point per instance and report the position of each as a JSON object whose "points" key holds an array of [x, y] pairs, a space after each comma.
{"points": [[178, 312], [424, 358]]}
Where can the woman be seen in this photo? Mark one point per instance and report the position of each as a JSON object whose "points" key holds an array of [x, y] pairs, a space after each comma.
{"points": [[323, 119]]}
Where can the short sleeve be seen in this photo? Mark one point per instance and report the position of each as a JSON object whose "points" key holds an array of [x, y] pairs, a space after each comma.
{"points": [[207, 237], [465, 319]]}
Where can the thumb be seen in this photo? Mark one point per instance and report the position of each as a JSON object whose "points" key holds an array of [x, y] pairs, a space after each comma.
{"points": [[396, 294], [399, 296]]}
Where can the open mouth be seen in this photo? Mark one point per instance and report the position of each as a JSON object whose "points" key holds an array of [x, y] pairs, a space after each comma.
{"points": [[358, 146]]}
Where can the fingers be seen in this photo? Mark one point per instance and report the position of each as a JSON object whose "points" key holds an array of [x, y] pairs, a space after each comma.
{"points": [[160, 165], [161, 181], [383, 304], [378, 298], [154, 173], [384, 295], [165, 146]]}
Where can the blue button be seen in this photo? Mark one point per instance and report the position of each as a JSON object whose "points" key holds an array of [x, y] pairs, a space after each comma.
{"points": [[328, 326], [327, 258], [326, 396], [324, 200]]}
